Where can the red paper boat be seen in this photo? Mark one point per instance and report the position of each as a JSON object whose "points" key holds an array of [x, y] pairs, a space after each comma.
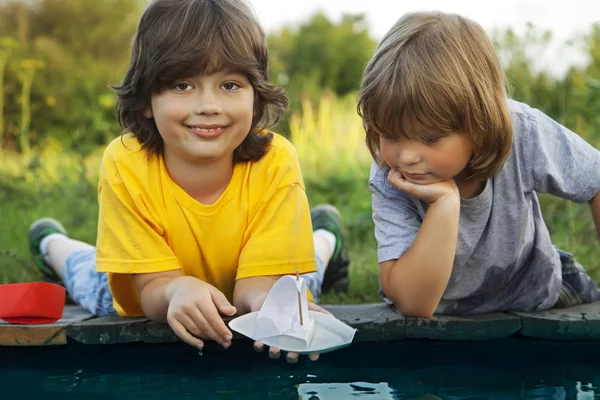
{"points": [[31, 303]]}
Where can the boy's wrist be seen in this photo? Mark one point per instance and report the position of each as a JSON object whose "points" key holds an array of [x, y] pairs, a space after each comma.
{"points": [[172, 285], [450, 199]]}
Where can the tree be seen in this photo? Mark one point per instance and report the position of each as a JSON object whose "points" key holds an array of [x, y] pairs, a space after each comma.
{"points": [[320, 55], [84, 46]]}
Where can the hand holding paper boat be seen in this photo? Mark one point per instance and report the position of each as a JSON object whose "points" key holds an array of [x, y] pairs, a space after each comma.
{"points": [[286, 322]]}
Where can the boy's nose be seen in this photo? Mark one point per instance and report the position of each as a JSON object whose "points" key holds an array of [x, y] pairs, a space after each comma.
{"points": [[207, 103], [408, 155]]}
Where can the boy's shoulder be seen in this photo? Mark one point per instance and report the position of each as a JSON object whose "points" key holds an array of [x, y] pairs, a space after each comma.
{"points": [[524, 119], [279, 166], [519, 109], [124, 153], [280, 152], [122, 147], [525, 116]]}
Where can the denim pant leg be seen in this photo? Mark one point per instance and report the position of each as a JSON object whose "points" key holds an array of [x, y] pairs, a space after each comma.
{"points": [[577, 286], [314, 280], [87, 287]]}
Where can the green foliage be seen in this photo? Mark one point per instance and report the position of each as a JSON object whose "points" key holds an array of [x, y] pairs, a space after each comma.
{"points": [[319, 55], [60, 105], [48, 183], [83, 46]]}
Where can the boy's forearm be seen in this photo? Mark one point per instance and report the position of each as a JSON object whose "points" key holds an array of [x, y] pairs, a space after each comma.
{"points": [[250, 293], [154, 299], [417, 280], [595, 207]]}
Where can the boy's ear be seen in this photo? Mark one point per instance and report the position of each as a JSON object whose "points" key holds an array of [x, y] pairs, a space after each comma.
{"points": [[148, 113]]}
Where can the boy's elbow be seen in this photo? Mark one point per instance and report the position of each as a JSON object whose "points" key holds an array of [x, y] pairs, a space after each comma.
{"points": [[407, 299], [416, 312], [415, 309]]}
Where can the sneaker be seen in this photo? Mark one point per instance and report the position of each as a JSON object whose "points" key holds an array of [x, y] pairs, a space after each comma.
{"points": [[326, 216], [37, 231]]}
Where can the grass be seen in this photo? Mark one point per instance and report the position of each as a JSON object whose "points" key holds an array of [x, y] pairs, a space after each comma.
{"points": [[335, 163], [72, 200]]}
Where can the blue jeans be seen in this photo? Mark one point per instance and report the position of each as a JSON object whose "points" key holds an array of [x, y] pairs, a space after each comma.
{"points": [[90, 290], [577, 286]]}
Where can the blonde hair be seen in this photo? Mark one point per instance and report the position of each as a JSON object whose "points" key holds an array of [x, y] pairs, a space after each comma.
{"points": [[434, 74]]}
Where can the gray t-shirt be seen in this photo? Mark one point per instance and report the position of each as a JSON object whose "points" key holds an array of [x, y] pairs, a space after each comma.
{"points": [[504, 258]]}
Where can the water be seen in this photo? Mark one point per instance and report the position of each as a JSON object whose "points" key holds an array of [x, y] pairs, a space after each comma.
{"points": [[515, 368]]}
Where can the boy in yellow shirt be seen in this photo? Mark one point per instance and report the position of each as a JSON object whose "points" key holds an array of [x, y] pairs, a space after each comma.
{"points": [[201, 209]]}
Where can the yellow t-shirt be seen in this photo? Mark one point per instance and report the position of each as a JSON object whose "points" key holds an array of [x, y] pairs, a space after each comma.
{"points": [[260, 225]]}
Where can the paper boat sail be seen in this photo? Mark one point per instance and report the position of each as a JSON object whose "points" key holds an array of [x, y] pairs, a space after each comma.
{"points": [[285, 321], [284, 316]]}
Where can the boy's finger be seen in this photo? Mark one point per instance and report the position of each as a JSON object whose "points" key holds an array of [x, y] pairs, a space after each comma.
{"points": [[314, 307], [213, 318], [394, 176], [189, 324], [223, 305], [291, 357], [258, 347], [208, 326], [274, 353], [184, 335], [313, 356]]}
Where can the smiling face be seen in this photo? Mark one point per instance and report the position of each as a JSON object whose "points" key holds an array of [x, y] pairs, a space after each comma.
{"points": [[430, 160], [203, 119]]}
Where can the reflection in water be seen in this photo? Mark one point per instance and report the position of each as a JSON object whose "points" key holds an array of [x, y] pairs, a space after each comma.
{"points": [[353, 390], [516, 368]]}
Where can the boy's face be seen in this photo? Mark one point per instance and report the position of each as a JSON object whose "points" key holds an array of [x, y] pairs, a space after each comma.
{"points": [[433, 159], [203, 119]]}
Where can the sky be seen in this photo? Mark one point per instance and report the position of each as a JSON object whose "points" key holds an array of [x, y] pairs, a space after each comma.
{"points": [[566, 19]]}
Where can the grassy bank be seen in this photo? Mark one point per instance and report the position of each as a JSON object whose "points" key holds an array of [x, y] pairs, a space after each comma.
{"points": [[58, 183]]}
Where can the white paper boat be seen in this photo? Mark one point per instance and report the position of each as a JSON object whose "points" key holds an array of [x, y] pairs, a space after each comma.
{"points": [[284, 321]]}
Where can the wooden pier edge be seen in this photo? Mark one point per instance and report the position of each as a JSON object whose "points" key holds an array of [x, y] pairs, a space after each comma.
{"points": [[374, 322]]}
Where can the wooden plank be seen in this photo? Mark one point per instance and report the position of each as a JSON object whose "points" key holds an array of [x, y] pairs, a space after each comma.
{"points": [[44, 334], [374, 322], [159, 333], [476, 327], [108, 330], [580, 322], [162, 333]]}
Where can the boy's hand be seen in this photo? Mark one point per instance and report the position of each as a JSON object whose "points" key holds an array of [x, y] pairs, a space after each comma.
{"points": [[194, 312], [429, 193], [291, 357]]}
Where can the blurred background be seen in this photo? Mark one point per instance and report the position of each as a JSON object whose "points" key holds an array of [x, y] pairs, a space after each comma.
{"points": [[57, 58]]}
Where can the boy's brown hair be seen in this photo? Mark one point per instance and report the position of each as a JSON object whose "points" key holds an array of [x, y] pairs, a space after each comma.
{"points": [[179, 39], [433, 74]]}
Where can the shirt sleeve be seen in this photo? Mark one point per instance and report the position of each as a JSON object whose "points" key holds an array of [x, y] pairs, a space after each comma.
{"points": [[396, 217], [129, 239], [561, 163], [279, 235]]}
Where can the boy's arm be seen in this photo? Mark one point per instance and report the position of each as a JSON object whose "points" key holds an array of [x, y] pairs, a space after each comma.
{"points": [[249, 294], [416, 281], [153, 290], [595, 207], [190, 306]]}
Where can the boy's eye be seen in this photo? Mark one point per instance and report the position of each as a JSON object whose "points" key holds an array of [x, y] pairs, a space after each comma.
{"points": [[182, 86], [431, 139], [388, 138], [230, 86]]}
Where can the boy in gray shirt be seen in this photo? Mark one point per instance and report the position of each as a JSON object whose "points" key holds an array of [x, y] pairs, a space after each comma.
{"points": [[457, 171]]}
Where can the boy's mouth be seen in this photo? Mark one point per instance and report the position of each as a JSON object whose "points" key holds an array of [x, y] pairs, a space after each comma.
{"points": [[207, 131], [414, 176]]}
